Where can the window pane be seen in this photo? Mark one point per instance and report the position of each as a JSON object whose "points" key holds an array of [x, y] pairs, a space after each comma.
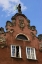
{"points": [[32, 53], [28, 51], [17, 51], [32, 50], [13, 50], [13, 46]]}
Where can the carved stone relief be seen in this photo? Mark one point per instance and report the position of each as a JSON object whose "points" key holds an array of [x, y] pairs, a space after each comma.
{"points": [[40, 37], [7, 29], [33, 28], [10, 30], [8, 23], [33, 36], [2, 30], [2, 42], [14, 22], [28, 23], [40, 46], [21, 23], [20, 18]]}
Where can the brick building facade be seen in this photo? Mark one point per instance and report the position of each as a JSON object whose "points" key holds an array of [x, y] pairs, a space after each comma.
{"points": [[19, 44]]}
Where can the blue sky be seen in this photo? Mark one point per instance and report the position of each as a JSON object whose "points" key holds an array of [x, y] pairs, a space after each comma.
{"points": [[31, 8]]}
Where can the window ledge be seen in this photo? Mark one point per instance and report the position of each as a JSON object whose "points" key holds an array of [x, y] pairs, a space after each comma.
{"points": [[33, 59], [17, 57]]}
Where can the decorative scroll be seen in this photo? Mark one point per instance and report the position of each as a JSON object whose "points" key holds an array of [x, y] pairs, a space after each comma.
{"points": [[28, 23], [40, 46], [14, 22], [2, 30], [33, 36], [33, 28], [40, 37], [2, 42], [8, 23], [10, 30]]}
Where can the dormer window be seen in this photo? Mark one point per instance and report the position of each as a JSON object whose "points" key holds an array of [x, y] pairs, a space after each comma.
{"points": [[22, 37]]}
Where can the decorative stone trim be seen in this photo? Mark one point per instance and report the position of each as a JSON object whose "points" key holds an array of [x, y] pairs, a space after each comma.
{"points": [[40, 46], [14, 22], [2, 42], [33, 36], [21, 23], [28, 23], [2, 30], [33, 28], [21, 18], [40, 37], [8, 23], [10, 30]]}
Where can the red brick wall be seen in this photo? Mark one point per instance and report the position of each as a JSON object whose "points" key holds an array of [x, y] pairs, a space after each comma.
{"points": [[5, 53]]}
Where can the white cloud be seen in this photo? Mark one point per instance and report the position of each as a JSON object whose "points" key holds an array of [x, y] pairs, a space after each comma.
{"points": [[8, 6]]}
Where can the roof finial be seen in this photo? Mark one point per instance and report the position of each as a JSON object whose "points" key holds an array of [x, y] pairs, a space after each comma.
{"points": [[19, 8]]}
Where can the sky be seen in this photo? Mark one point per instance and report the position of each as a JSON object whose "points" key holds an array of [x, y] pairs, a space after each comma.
{"points": [[32, 9]]}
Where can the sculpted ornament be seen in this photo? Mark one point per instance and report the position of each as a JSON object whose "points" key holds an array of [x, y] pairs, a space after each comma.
{"points": [[2, 42], [10, 30], [40, 46], [19, 8], [28, 23], [9, 23], [33, 36], [21, 24], [14, 22]]}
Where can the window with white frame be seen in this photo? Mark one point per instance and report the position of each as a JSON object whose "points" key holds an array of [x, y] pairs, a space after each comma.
{"points": [[30, 53], [15, 51]]}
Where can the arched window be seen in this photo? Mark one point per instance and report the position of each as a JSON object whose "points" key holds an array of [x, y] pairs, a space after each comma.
{"points": [[22, 37]]}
